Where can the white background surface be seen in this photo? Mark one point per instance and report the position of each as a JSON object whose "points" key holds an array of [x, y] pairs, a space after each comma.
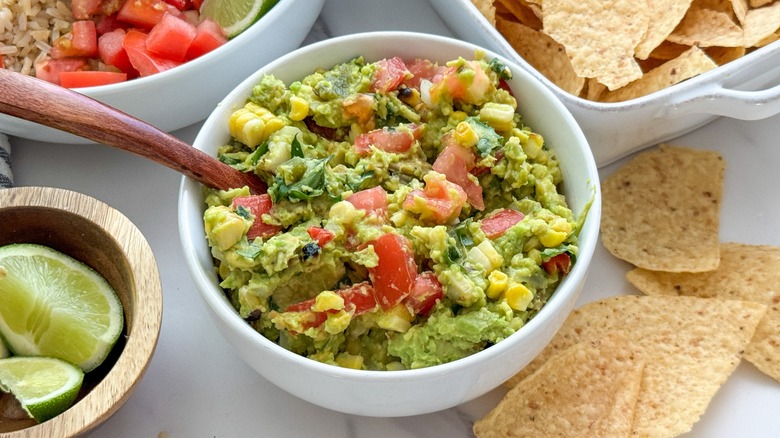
{"points": [[197, 387]]}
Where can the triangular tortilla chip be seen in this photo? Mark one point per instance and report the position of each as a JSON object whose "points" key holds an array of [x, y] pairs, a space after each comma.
{"points": [[590, 389], [661, 210], [746, 272], [761, 24], [666, 14], [690, 346], [706, 27]]}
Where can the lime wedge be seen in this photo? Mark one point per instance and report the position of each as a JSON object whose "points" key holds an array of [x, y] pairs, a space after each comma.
{"points": [[44, 386], [53, 305], [235, 15]]}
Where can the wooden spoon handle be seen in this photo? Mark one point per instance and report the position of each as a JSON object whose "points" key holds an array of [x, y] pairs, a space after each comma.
{"points": [[39, 101]]}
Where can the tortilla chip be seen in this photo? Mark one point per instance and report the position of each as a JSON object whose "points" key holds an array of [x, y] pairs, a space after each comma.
{"points": [[746, 272], [522, 12], [690, 346], [599, 36], [759, 3], [661, 211], [668, 50], [594, 90], [740, 9], [769, 39], [722, 55], [487, 9], [691, 63], [706, 27], [591, 388], [761, 23], [666, 14], [543, 53]]}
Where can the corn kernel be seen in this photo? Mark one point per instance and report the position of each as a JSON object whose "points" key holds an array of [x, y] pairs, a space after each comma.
{"points": [[498, 115], [398, 319], [328, 301], [551, 238], [299, 108], [518, 296], [353, 361], [533, 145], [337, 322], [253, 124], [498, 282], [562, 225], [459, 116], [465, 135], [342, 212], [490, 252]]}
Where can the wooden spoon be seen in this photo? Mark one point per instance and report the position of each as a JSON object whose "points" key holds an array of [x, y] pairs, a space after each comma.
{"points": [[42, 102]]}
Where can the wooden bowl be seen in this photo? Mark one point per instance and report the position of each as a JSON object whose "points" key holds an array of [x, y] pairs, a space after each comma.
{"points": [[103, 238]]}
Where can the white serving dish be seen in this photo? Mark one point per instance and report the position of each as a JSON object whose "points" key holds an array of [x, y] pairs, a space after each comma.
{"points": [[409, 392], [187, 94], [745, 89]]}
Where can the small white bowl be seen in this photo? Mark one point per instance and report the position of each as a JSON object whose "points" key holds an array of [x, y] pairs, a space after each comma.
{"points": [[186, 94], [418, 391]]}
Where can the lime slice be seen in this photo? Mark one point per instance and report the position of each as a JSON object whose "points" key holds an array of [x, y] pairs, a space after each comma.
{"points": [[235, 15], [53, 305], [44, 386]]}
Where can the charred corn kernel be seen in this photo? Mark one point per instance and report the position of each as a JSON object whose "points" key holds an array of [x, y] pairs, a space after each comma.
{"points": [[532, 146], [398, 319], [518, 296], [353, 361], [551, 238], [465, 135], [328, 301], [498, 282], [299, 108], [337, 322], [253, 124], [500, 116]]}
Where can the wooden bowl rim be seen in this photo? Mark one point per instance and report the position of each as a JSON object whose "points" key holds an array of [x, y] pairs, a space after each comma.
{"points": [[112, 392]]}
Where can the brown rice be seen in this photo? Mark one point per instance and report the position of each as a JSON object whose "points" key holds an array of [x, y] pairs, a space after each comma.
{"points": [[27, 28]]}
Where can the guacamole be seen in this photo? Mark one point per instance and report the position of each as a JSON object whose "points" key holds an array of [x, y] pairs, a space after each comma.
{"points": [[411, 217]]}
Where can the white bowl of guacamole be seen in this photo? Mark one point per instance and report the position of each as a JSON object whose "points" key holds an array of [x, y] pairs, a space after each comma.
{"points": [[431, 214]]}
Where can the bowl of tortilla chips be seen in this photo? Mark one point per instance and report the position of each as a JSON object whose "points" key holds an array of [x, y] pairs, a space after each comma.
{"points": [[661, 68]]}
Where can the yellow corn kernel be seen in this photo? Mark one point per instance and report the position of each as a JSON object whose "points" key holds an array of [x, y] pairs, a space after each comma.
{"points": [[342, 212], [459, 116], [497, 284], [328, 301], [299, 108], [253, 124], [562, 225], [551, 238], [398, 319], [518, 296], [533, 145], [492, 255], [353, 361], [337, 322], [465, 135], [498, 115]]}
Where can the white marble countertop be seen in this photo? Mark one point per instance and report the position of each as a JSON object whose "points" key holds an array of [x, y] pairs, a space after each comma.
{"points": [[197, 387]]}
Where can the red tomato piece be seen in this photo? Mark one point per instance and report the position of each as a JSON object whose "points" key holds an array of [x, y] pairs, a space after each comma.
{"points": [[84, 9], [320, 235], [495, 225], [50, 69], [373, 200], [78, 79], [145, 13], [466, 88], [258, 205], [386, 139], [144, 61], [426, 291], [358, 299], [208, 36], [389, 74], [560, 263], [423, 69], [455, 162], [181, 5], [196, 4], [440, 201], [396, 270], [171, 37], [82, 42], [113, 53], [108, 23]]}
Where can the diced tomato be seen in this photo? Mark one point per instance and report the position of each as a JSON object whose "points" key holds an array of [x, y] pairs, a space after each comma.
{"points": [[440, 201], [78, 79], [422, 69], [171, 37], [496, 224], [389, 74], [50, 69], [455, 162], [84, 9], [396, 269], [113, 53], [373, 200], [459, 86], [426, 291], [358, 299], [144, 61], [109, 23], [82, 42], [387, 139], [179, 4], [145, 13], [560, 263], [196, 4], [258, 205], [208, 37], [320, 235]]}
